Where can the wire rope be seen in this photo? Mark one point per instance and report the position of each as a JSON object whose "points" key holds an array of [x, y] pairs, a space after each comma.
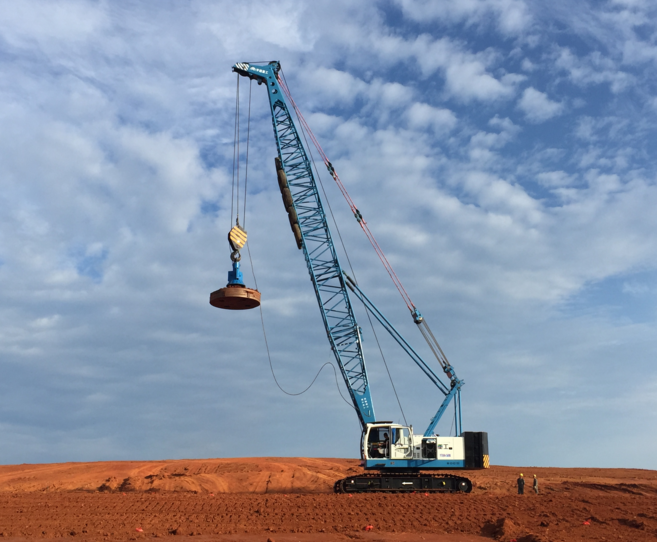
{"points": [[344, 248], [235, 149], [271, 365], [234, 211], [237, 190], [424, 328], [352, 205], [453, 419], [248, 140]]}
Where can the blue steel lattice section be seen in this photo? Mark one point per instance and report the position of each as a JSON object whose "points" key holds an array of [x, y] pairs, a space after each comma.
{"points": [[322, 261]]}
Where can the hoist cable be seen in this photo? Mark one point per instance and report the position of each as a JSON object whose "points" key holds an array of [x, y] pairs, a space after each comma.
{"points": [[237, 191], [344, 248], [235, 150], [271, 365], [352, 205], [248, 140], [385, 363]]}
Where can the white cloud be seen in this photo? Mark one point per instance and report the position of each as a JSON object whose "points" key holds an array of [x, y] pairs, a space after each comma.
{"points": [[537, 107], [116, 158], [500, 196], [51, 24], [593, 69], [511, 16], [638, 289], [621, 29], [421, 115], [528, 65], [637, 4], [46, 321], [601, 183], [390, 95], [334, 86], [556, 179], [596, 129], [278, 24], [505, 125], [466, 74], [469, 80], [638, 52]]}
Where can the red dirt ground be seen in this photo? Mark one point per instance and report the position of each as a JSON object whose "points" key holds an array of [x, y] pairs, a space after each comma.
{"points": [[291, 499]]}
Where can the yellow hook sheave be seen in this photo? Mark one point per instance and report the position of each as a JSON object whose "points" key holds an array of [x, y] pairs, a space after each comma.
{"points": [[237, 237]]}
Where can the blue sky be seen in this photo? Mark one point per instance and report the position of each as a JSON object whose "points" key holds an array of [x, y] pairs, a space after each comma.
{"points": [[502, 152]]}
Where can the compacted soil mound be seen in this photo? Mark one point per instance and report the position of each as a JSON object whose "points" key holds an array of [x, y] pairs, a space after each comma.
{"points": [[244, 475], [291, 499]]}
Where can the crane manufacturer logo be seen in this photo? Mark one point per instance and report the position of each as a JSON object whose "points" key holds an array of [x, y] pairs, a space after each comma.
{"points": [[246, 67]]}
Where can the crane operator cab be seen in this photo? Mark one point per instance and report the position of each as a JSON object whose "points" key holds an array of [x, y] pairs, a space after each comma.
{"points": [[390, 441]]}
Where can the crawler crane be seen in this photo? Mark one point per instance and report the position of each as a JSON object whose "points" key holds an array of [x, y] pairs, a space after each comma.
{"points": [[394, 457]]}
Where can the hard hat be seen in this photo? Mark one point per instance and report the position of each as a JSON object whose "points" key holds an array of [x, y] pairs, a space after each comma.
{"points": [[534, 476], [521, 474]]}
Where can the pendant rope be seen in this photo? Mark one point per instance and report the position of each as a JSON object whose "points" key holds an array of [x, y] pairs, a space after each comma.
{"points": [[352, 205], [246, 163], [344, 248]]}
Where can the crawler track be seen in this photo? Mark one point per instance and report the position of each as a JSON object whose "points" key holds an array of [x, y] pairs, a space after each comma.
{"points": [[403, 482]]}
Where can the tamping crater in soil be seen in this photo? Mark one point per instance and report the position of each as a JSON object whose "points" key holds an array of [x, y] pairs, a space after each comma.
{"points": [[291, 499]]}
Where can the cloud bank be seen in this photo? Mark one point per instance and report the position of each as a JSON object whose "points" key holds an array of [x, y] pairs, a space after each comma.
{"points": [[505, 168]]}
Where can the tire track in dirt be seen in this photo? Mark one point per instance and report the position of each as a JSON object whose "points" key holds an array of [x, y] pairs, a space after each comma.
{"points": [[104, 516]]}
